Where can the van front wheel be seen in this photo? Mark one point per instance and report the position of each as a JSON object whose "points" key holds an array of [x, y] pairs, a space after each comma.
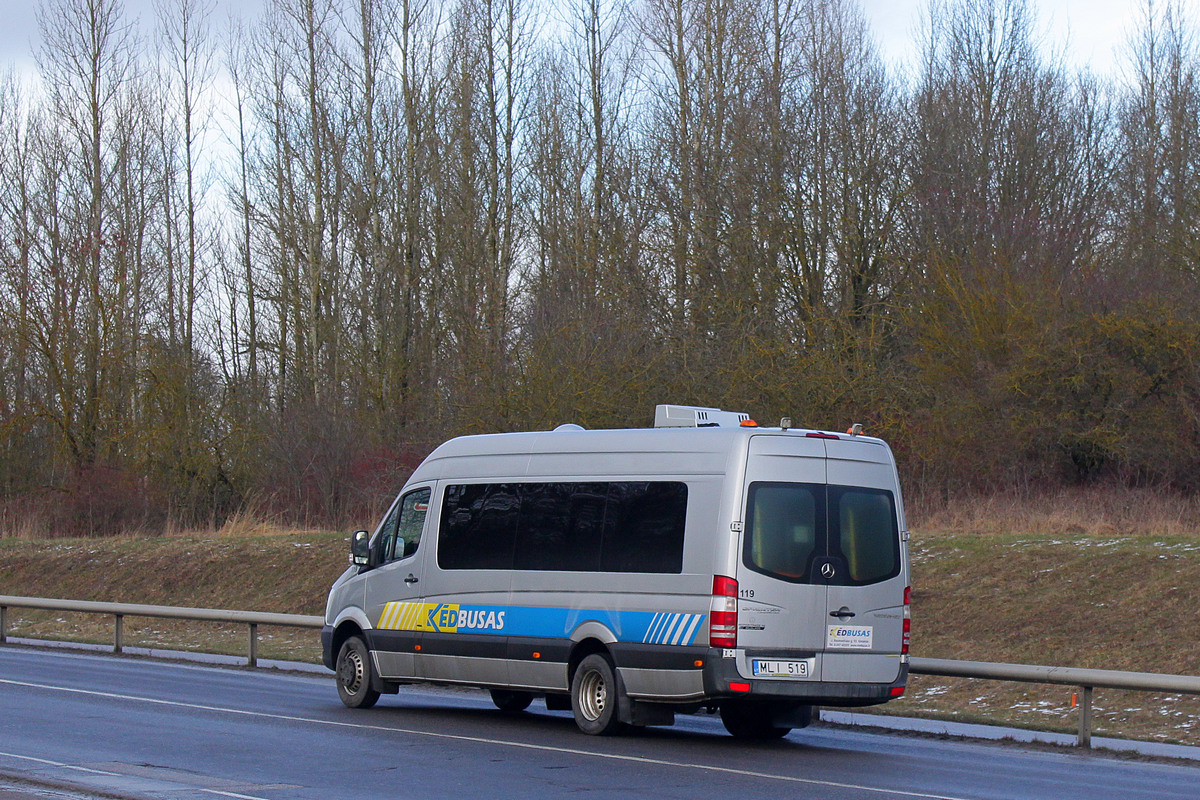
{"points": [[354, 674], [594, 696]]}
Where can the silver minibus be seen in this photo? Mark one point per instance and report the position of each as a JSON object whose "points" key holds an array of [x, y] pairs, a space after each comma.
{"points": [[702, 565]]}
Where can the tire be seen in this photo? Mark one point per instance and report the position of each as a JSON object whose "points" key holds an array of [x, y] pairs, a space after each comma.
{"points": [[750, 721], [594, 696], [511, 702], [355, 673]]}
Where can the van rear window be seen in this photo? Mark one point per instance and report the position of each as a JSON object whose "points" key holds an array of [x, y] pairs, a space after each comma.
{"points": [[783, 528], [864, 533], [792, 526], [625, 526]]}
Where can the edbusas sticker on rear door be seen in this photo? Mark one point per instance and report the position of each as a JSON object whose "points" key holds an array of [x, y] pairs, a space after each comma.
{"points": [[851, 637]]}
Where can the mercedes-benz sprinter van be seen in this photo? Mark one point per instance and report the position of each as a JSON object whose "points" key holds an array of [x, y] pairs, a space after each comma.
{"points": [[705, 564]]}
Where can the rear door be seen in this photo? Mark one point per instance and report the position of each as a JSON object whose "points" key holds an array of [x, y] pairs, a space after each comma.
{"points": [[820, 572], [781, 607], [866, 580]]}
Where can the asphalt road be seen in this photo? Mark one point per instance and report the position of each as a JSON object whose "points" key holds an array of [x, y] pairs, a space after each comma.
{"points": [[145, 729]]}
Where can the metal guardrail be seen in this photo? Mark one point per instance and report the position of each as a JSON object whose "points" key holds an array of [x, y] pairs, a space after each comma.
{"points": [[252, 619], [1087, 680]]}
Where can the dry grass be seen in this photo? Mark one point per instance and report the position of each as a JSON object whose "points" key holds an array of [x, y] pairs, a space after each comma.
{"points": [[285, 572], [1094, 512], [21, 524], [1079, 578], [246, 524]]}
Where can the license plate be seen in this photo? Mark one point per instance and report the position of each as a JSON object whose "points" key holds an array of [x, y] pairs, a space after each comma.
{"points": [[782, 669]]}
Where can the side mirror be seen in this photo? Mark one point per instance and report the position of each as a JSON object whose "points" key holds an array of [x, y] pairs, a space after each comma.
{"points": [[360, 548]]}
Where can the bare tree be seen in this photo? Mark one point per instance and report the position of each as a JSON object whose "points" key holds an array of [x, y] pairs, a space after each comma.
{"points": [[17, 420], [838, 164], [392, 67], [589, 307], [704, 60], [1005, 147], [245, 283], [86, 60], [297, 57], [1009, 179], [480, 185], [1159, 203], [186, 34]]}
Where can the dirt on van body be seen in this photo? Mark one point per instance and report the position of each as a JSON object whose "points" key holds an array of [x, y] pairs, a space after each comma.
{"points": [[1071, 580]]}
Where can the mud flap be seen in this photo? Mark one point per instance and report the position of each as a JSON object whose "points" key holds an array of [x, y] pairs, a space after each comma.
{"points": [[797, 716], [378, 684], [640, 713], [558, 702]]}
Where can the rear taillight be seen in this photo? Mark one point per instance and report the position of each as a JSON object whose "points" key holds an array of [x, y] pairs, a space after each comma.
{"points": [[722, 615], [907, 620]]}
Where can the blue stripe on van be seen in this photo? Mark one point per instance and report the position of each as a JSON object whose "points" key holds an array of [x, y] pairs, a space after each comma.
{"points": [[646, 627]]}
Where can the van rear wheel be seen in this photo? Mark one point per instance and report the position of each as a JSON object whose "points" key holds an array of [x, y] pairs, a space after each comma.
{"points": [[594, 696], [746, 720], [354, 673]]}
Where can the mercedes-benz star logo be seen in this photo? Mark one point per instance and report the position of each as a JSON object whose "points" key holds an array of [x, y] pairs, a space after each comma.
{"points": [[827, 570]]}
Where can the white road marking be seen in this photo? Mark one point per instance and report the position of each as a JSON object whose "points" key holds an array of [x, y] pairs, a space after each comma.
{"points": [[77, 768], [485, 740], [50, 763]]}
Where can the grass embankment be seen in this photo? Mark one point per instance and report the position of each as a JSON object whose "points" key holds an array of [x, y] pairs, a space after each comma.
{"points": [[1105, 581], [1102, 580], [257, 568]]}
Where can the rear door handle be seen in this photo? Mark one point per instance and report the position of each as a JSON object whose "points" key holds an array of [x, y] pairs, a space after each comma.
{"points": [[411, 578], [842, 613]]}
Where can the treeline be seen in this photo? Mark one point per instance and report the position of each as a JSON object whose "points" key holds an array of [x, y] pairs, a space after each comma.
{"points": [[267, 265]]}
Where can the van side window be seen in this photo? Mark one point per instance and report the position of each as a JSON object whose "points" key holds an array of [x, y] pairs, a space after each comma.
{"points": [[387, 534], [401, 531], [413, 509], [571, 527], [560, 526], [644, 526], [479, 526]]}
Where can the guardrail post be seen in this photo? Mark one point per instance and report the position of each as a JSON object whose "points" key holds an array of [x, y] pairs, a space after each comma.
{"points": [[1085, 718], [3, 624], [118, 632], [252, 661]]}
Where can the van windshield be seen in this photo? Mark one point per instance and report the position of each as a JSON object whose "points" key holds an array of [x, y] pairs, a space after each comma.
{"points": [[790, 526]]}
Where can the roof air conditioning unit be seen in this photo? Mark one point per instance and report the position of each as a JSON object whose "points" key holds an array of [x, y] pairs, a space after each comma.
{"points": [[666, 416]]}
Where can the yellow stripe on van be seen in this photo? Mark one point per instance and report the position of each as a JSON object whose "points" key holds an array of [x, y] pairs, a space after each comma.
{"points": [[404, 616], [387, 618], [409, 615], [398, 616]]}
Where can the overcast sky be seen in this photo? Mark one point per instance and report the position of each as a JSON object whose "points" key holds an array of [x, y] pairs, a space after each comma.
{"points": [[1094, 28], [19, 29], [1091, 32]]}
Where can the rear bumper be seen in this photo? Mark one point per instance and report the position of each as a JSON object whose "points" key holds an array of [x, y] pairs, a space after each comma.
{"points": [[720, 674]]}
